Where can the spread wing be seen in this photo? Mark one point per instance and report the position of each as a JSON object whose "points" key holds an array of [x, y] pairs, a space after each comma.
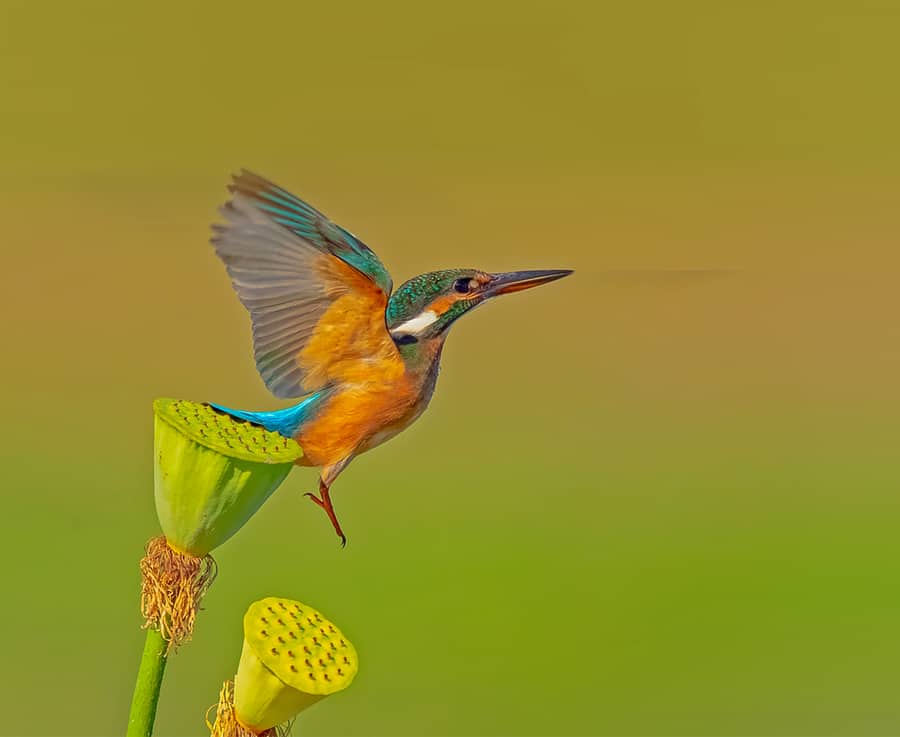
{"points": [[316, 294]]}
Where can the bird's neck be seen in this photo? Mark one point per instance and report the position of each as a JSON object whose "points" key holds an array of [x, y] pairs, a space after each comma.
{"points": [[423, 358]]}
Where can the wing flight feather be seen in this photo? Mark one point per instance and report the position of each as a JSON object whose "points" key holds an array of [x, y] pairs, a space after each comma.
{"points": [[297, 273]]}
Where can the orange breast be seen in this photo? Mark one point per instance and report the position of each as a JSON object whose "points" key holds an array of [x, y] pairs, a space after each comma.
{"points": [[359, 417], [372, 394]]}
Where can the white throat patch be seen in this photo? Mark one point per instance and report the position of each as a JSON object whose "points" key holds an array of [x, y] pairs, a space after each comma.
{"points": [[417, 324]]}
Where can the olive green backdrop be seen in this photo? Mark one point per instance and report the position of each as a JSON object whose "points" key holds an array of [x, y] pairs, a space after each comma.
{"points": [[657, 498]]}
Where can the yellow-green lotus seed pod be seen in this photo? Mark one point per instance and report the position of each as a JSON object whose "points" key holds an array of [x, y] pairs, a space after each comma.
{"points": [[212, 472], [292, 657]]}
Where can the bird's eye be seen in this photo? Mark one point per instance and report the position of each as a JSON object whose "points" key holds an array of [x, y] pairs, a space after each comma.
{"points": [[406, 339], [466, 285]]}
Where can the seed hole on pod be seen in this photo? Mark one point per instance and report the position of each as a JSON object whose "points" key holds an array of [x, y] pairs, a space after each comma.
{"points": [[294, 668], [311, 676], [274, 651], [281, 639], [264, 633], [307, 650], [281, 622], [290, 653]]}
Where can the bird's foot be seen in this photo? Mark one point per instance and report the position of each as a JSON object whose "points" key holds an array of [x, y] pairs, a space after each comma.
{"points": [[325, 503]]}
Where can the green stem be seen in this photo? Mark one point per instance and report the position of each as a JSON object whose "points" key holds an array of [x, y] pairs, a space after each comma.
{"points": [[146, 688]]}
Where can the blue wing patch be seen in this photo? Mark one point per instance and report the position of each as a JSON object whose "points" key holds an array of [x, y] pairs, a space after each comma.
{"points": [[285, 421]]}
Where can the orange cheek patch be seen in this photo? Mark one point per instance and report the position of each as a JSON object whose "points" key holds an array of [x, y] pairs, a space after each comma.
{"points": [[441, 304], [445, 302]]}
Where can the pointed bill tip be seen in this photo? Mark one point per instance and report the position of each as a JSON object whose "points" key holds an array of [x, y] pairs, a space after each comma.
{"points": [[516, 281]]}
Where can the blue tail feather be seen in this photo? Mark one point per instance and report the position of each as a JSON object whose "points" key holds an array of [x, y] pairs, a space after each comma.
{"points": [[285, 421]]}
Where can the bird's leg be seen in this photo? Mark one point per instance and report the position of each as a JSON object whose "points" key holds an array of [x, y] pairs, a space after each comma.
{"points": [[325, 503]]}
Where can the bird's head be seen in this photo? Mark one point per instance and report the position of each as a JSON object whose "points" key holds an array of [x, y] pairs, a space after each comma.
{"points": [[424, 307]]}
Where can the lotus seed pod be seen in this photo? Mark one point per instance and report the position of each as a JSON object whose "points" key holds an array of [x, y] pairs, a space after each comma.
{"points": [[212, 472], [292, 657]]}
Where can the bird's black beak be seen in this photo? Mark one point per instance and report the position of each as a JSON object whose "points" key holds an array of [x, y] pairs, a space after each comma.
{"points": [[516, 281]]}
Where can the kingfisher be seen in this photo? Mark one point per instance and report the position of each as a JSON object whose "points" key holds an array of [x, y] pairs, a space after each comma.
{"points": [[328, 330]]}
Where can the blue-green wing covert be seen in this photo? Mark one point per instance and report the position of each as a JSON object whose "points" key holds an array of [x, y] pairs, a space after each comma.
{"points": [[308, 223], [277, 250]]}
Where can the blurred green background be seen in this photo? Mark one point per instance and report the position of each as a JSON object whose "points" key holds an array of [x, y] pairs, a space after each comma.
{"points": [[659, 498]]}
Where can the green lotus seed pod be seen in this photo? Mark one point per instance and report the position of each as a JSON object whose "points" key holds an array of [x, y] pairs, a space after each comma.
{"points": [[212, 472], [292, 657]]}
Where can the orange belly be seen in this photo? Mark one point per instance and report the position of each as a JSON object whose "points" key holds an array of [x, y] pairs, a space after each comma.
{"points": [[357, 418]]}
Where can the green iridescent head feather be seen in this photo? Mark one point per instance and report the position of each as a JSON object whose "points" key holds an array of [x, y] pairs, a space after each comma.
{"points": [[413, 296], [423, 308]]}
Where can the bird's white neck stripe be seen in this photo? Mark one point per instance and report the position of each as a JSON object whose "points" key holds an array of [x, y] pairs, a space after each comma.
{"points": [[417, 324]]}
